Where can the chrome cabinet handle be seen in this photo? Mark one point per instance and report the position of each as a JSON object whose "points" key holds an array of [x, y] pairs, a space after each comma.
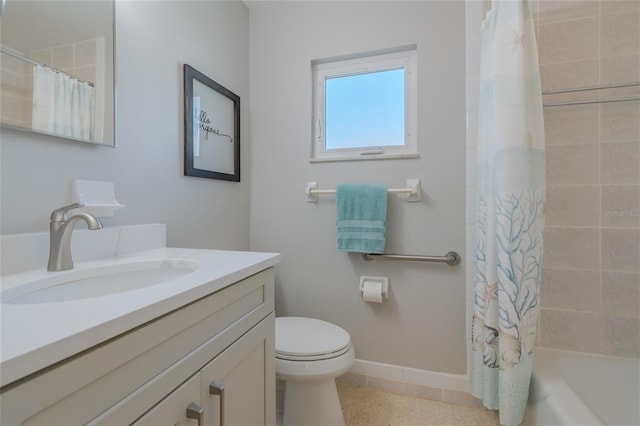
{"points": [[216, 388], [194, 411]]}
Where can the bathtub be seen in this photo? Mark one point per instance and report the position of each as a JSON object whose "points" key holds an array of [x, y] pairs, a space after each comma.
{"points": [[575, 389]]}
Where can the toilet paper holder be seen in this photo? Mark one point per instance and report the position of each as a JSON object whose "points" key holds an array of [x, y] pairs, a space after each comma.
{"points": [[384, 281]]}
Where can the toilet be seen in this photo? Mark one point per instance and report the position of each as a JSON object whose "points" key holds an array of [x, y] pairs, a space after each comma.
{"points": [[310, 354]]}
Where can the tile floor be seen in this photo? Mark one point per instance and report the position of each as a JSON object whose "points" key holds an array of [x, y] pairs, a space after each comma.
{"points": [[366, 406]]}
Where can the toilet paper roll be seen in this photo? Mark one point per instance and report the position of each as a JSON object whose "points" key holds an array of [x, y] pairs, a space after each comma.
{"points": [[372, 291]]}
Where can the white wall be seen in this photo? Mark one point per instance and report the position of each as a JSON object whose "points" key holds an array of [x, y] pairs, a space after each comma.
{"points": [[423, 324], [153, 40]]}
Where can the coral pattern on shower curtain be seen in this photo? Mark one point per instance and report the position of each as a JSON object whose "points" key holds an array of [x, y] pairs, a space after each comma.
{"points": [[510, 198]]}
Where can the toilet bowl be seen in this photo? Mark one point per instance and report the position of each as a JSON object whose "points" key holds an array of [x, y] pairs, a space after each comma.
{"points": [[310, 354]]}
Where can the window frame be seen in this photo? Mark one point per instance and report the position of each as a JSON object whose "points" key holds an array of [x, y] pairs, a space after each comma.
{"points": [[323, 69]]}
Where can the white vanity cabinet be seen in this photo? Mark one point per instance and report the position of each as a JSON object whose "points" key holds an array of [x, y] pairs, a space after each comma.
{"points": [[151, 374], [229, 390]]}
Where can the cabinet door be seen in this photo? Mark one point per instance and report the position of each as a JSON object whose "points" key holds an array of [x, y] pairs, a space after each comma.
{"points": [[238, 386], [172, 410]]}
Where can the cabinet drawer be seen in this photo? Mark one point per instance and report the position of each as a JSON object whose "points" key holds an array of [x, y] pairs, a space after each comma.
{"points": [[173, 409], [80, 388]]}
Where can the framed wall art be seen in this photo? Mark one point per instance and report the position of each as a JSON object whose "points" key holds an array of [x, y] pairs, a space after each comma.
{"points": [[211, 127]]}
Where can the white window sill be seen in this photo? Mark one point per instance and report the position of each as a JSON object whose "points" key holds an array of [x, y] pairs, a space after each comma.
{"points": [[364, 158]]}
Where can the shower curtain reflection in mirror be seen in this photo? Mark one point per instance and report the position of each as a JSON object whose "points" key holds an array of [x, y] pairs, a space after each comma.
{"points": [[62, 104]]}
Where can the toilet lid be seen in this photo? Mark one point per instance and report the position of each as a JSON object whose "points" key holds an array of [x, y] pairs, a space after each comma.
{"points": [[300, 338]]}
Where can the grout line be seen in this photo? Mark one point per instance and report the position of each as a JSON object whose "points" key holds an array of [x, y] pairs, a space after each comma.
{"points": [[599, 70]]}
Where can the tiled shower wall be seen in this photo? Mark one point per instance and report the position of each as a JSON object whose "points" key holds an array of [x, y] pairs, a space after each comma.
{"points": [[591, 266], [12, 82], [590, 293], [76, 59]]}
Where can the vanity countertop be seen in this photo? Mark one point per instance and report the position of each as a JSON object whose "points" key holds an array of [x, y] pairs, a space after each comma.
{"points": [[37, 335]]}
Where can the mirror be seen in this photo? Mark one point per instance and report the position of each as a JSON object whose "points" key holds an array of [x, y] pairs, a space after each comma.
{"points": [[58, 68]]}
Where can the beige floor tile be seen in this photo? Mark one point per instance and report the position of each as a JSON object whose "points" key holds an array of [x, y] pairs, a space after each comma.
{"points": [[365, 406]]}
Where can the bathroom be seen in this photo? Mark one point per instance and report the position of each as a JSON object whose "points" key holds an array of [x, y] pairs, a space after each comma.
{"points": [[417, 340]]}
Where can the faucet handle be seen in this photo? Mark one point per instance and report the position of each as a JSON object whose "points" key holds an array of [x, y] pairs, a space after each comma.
{"points": [[60, 215]]}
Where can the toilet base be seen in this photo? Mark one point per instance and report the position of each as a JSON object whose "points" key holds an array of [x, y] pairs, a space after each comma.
{"points": [[312, 403]]}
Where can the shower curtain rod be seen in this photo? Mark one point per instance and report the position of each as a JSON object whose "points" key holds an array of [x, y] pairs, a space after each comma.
{"points": [[32, 62], [15, 55]]}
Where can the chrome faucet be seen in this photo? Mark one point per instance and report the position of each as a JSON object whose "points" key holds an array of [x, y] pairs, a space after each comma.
{"points": [[60, 229]]}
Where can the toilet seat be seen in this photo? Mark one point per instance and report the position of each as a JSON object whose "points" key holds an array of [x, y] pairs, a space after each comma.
{"points": [[308, 339], [310, 354]]}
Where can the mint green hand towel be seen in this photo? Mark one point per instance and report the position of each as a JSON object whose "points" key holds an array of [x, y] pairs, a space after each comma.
{"points": [[361, 217]]}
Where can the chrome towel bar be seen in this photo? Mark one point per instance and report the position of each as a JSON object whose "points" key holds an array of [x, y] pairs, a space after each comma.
{"points": [[451, 258]]}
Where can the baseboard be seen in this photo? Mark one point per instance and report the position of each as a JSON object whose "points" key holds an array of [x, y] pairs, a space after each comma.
{"points": [[445, 387]]}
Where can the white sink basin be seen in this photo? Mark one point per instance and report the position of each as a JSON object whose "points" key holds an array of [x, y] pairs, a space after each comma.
{"points": [[95, 282]]}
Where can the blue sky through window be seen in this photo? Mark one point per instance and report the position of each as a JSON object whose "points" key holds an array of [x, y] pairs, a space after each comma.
{"points": [[365, 110]]}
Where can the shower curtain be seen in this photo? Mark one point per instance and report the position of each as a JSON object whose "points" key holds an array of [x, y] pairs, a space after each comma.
{"points": [[509, 211], [62, 104]]}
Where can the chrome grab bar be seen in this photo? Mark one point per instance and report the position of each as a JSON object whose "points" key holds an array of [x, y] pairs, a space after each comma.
{"points": [[451, 258]]}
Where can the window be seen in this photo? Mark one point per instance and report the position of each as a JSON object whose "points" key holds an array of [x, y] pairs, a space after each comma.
{"points": [[365, 106]]}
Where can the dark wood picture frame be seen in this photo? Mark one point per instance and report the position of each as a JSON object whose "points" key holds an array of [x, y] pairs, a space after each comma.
{"points": [[211, 128]]}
